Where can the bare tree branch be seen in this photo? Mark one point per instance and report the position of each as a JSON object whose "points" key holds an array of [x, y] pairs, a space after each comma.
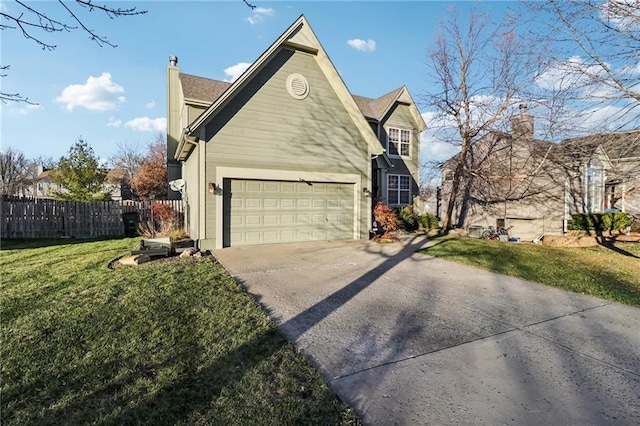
{"points": [[12, 97], [35, 24], [480, 73], [252, 6], [592, 50]]}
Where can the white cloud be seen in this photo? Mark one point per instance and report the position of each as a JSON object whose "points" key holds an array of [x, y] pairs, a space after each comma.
{"points": [[609, 118], [631, 69], [362, 45], [235, 71], [146, 124], [29, 108], [150, 105], [113, 122], [97, 94], [437, 142], [564, 75], [259, 15]]}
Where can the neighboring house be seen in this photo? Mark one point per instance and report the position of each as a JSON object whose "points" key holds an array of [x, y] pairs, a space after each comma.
{"points": [[616, 186], [285, 153], [534, 186], [116, 184]]}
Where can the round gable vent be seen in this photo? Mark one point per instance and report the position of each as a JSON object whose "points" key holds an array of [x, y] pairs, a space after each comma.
{"points": [[297, 86]]}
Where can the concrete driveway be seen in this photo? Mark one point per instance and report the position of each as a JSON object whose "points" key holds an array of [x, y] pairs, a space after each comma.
{"points": [[405, 338]]}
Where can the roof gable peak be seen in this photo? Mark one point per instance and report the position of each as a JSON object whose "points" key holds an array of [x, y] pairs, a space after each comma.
{"points": [[299, 36]]}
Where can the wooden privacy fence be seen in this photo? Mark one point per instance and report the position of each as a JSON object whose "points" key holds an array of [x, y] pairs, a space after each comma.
{"points": [[44, 218]]}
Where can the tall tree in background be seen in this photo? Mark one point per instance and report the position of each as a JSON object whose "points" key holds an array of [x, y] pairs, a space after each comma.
{"points": [[14, 173], [479, 71], [151, 178], [79, 175], [128, 157], [592, 49]]}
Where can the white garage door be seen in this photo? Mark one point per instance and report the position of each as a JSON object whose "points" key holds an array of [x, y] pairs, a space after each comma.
{"points": [[266, 212]]}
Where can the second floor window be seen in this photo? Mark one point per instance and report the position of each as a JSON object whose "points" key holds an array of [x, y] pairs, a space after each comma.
{"points": [[399, 142]]}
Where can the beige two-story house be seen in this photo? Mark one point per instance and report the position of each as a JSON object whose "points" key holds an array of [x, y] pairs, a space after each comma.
{"points": [[286, 153], [534, 186]]}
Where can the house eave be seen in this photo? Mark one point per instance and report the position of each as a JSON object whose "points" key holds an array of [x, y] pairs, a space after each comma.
{"points": [[419, 121], [325, 64], [300, 47], [385, 159], [186, 145], [197, 102], [243, 79]]}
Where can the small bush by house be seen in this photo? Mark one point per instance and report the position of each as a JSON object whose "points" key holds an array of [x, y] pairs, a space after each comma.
{"points": [[408, 218], [618, 221], [428, 221]]}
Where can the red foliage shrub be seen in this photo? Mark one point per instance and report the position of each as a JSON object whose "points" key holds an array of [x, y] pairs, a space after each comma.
{"points": [[162, 212], [387, 218]]}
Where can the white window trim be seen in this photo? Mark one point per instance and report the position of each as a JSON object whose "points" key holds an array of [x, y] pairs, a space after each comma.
{"points": [[397, 202], [594, 184], [400, 130]]}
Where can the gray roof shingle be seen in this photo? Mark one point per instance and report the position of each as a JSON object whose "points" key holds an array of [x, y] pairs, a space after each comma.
{"points": [[202, 89], [617, 145]]}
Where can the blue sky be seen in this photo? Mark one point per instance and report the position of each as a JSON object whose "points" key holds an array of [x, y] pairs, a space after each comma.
{"points": [[110, 96], [117, 95]]}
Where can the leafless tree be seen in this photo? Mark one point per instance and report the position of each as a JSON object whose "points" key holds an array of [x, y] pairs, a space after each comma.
{"points": [[480, 70], [592, 49], [14, 173], [129, 157]]}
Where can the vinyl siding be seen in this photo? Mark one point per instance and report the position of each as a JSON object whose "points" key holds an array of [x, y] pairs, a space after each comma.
{"points": [[194, 112], [263, 127]]}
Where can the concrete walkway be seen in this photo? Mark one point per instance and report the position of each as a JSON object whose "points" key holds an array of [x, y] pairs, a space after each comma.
{"points": [[405, 338]]}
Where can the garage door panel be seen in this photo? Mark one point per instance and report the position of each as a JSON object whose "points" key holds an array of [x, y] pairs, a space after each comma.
{"points": [[288, 203], [254, 220], [287, 219], [263, 212], [252, 203], [303, 219], [271, 219], [271, 203], [288, 187], [333, 204]]}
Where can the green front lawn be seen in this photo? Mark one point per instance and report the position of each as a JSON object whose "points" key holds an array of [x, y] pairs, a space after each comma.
{"points": [[609, 272], [170, 342]]}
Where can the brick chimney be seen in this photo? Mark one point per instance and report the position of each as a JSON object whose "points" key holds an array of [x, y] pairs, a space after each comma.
{"points": [[522, 124]]}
